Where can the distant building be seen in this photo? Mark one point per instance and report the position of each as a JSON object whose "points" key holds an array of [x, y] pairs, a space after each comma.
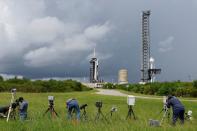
{"points": [[123, 76]]}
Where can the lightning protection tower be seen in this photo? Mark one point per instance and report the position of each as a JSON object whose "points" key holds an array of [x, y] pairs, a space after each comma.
{"points": [[94, 69], [145, 46], [147, 68]]}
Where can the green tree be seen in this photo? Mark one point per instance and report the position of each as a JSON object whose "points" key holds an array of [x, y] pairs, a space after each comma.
{"points": [[1, 78], [195, 83]]}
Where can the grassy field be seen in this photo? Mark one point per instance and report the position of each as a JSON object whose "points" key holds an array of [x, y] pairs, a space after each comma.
{"points": [[144, 110]]}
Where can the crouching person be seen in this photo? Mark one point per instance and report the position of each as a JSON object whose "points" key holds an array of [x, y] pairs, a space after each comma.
{"points": [[23, 106], [177, 107], [73, 107]]}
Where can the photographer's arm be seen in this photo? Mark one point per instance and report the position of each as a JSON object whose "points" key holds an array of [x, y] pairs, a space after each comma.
{"points": [[168, 103]]}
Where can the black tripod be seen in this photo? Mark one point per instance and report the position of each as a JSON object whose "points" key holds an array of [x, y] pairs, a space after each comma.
{"points": [[166, 112], [13, 114], [13, 92], [84, 115], [53, 113], [99, 113], [130, 112]]}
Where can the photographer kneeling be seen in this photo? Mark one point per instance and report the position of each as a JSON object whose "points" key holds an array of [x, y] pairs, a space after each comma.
{"points": [[23, 106], [178, 109], [73, 106]]}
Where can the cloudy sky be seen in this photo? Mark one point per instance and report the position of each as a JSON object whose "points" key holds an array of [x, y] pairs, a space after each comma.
{"points": [[56, 38]]}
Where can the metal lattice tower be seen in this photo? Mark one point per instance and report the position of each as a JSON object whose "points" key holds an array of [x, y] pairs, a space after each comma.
{"points": [[145, 46]]}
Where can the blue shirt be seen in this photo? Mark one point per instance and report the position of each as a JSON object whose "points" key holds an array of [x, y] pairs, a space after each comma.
{"points": [[72, 103], [23, 107], [175, 103]]}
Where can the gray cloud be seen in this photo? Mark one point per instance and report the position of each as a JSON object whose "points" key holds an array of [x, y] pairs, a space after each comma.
{"points": [[166, 45], [66, 49], [45, 38]]}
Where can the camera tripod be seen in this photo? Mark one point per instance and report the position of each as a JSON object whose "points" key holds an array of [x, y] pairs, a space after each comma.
{"points": [[84, 114], [52, 111], [130, 112], [13, 114], [166, 112], [100, 113], [11, 111]]}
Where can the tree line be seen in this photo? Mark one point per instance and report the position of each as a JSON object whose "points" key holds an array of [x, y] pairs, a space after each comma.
{"points": [[177, 88], [27, 85]]}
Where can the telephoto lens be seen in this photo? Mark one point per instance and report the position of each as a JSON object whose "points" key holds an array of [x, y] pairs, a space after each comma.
{"points": [[83, 106]]}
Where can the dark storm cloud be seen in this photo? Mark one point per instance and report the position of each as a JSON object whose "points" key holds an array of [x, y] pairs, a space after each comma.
{"points": [[45, 38]]}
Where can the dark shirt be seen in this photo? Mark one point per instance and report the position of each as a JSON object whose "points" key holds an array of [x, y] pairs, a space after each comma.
{"points": [[175, 103], [23, 107]]}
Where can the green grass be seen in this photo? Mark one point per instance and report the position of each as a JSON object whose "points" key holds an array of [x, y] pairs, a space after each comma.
{"points": [[144, 110]]}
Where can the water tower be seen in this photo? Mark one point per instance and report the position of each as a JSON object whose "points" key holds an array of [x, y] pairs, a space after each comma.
{"points": [[123, 76]]}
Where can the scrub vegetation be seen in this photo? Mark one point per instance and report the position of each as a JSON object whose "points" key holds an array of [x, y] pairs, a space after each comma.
{"points": [[183, 89], [27, 85]]}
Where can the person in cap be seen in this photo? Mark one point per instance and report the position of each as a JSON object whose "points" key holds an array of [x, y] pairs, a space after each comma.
{"points": [[73, 107], [177, 107]]}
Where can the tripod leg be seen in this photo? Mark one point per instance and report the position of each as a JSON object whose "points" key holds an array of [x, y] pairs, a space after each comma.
{"points": [[46, 111], [10, 108], [84, 115], [97, 116], [133, 113], [164, 115], [103, 116], [129, 114], [55, 112], [9, 113], [13, 114], [111, 113]]}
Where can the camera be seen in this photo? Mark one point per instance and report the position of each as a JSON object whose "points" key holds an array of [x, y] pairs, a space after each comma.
{"points": [[51, 100], [113, 109], [83, 106], [131, 100], [14, 105], [99, 104], [13, 90], [188, 115]]}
